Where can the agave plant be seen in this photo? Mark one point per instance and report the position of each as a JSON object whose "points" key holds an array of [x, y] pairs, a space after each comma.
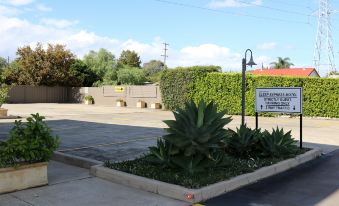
{"points": [[161, 152], [196, 135], [244, 142], [278, 143]]}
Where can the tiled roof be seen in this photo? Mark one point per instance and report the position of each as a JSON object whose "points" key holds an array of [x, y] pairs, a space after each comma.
{"points": [[301, 72]]}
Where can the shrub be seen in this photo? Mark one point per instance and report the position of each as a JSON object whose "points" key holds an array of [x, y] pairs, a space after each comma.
{"points": [[88, 98], [29, 142], [244, 142], [278, 143], [194, 139], [320, 95], [177, 85]]}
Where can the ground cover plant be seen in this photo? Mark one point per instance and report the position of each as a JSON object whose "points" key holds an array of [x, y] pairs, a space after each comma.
{"points": [[197, 149], [28, 142]]}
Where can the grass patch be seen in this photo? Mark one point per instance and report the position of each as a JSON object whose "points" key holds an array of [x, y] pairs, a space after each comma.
{"points": [[234, 167]]}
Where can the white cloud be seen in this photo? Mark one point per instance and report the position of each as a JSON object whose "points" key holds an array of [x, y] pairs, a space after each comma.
{"points": [[207, 54], [232, 3], [16, 32], [8, 11], [17, 2], [257, 2], [59, 23], [42, 7], [267, 46]]}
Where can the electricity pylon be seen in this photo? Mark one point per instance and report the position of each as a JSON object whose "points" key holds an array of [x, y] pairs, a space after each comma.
{"points": [[323, 52]]}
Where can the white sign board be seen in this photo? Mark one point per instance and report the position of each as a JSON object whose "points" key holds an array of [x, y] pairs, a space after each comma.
{"points": [[279, 99]]}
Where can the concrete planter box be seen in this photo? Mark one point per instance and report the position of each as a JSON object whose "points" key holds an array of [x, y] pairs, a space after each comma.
{"points": [[204, 193], [23, 177], [120, 103], [3, 112], [141, 104], [156, 106]]}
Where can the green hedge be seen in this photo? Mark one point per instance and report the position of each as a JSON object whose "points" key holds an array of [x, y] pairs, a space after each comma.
{"points": [[320, 95], [177, 84]]}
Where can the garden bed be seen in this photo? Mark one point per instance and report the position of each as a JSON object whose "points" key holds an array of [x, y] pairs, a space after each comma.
{"points": [[143, 175], [236, 166]]}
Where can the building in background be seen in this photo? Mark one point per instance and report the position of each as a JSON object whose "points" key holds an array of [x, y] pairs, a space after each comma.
{"points": [[296, 72]]}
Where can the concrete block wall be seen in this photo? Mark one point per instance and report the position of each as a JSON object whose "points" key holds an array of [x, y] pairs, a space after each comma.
{"points": [[108, 95]]}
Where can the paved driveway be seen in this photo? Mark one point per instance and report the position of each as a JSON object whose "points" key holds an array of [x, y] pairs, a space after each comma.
{"points": [[111, 133], [315, 183]]}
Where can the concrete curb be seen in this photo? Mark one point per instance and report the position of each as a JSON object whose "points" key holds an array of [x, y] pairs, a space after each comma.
{"points": [[75, 160], [204, 193]]}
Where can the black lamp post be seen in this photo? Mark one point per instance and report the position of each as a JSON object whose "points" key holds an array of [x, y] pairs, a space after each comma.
{"points": [[243, 83]]}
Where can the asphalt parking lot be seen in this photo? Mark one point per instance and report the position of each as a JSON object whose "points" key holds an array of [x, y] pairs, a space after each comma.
{"points": [[116, 134], [110, 133]]}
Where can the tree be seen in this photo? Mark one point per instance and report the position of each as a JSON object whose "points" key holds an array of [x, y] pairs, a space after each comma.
{"points": [[50, 67], [11, 73], [101, 62], [3, 63], [282, 63], [129, 58], [84, 74], [131, 76], [153, 67]]}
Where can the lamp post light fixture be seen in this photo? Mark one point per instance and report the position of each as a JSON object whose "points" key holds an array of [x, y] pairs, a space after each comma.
{"points": [[243, 83]]}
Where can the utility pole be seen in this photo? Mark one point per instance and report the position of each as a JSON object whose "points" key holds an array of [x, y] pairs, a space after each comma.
{"points": [[324, 40], [165, 53]]}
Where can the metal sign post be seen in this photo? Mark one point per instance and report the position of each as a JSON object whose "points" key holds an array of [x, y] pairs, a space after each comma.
{"points": [[279, 100]]}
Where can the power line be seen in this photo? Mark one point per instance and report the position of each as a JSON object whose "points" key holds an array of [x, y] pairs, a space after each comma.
{"points": [[275, 9], [228, 12], [291, 4]]}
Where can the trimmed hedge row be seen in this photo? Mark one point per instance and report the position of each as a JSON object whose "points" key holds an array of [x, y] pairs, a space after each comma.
{"points": [[177, 84], [320, 95]]}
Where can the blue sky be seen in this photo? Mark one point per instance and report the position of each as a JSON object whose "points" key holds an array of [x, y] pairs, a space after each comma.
{"points": [[198, 31]]}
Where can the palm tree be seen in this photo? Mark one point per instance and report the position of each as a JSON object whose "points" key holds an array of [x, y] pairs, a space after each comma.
{"points": [[282, 63]]}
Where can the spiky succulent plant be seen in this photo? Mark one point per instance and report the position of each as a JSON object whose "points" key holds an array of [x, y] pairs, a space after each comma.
{"points": [[196, 136], [244, 142], [278, 143]]}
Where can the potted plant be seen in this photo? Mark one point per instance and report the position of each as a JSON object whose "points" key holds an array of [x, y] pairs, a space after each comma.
{"points": [[141, 104], [25, 155], [156, 105], [89, 99], [3, 97], [120, 102]]}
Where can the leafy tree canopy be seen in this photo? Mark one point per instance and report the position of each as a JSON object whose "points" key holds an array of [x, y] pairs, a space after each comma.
{"points": [[282, 63], [129, 58], [100, 62], [41, 66], [3, 63], [131, 76], [85, 75], [152, 67]]}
